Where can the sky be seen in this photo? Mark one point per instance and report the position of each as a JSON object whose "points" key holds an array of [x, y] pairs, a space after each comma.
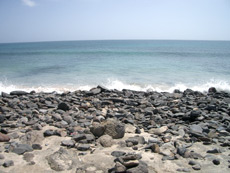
{"points": [[58, 20]]}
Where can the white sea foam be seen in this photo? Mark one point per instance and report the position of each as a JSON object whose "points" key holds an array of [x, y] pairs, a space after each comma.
{"points": [[119, 85]]}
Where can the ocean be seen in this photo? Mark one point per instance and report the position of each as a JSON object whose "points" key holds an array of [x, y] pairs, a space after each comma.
{"points": [[141, 65]]}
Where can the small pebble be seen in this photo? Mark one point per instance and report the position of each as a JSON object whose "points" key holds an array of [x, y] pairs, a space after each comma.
{"points": [[216, 161], [8, 163], [197, 167]]}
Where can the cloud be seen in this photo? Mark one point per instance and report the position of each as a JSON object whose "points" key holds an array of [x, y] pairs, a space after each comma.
{"points": [[29, 3]]}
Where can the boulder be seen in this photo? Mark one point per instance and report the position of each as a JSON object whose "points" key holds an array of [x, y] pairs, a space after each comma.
{"points": [[106, 141], [97, 129], [114, 128], [61, 160]]}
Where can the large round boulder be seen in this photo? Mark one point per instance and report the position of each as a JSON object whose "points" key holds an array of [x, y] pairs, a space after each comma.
{"points": [[114, 128]]}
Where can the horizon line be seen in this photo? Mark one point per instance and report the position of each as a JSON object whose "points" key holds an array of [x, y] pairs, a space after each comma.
{"points": [[42, 41]]}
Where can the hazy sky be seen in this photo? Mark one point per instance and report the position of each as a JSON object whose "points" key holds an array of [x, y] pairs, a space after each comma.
{"points": [[51, 20]]}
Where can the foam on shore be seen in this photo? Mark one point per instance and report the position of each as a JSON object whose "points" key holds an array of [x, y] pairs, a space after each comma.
{"points": [[119, 85]]}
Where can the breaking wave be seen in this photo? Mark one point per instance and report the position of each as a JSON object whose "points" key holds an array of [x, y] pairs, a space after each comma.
{"points": [[119, 85]]}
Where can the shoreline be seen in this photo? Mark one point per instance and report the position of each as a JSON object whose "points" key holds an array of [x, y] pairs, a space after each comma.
{"points": [[127, 131], [86, 88]]}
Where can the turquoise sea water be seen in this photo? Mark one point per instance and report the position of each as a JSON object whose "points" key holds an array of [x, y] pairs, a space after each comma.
{"points": [[139, 65]]}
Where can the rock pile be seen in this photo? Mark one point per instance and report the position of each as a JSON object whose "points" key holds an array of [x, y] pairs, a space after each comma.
{"points": [[188, 131]]}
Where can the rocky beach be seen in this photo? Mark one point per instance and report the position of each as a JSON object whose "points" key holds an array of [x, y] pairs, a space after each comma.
{"points": [[104, 130]]}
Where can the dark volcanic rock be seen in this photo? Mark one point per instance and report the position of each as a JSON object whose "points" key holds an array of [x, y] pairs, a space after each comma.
{"points": [[36, 146], [214, 151], [8, 163], [79, 137], [64, 106], [18, 93], [2, 118], [22, 148], [194, 115], [83, 147], [216, 161], [212, 90], [48, 133]]}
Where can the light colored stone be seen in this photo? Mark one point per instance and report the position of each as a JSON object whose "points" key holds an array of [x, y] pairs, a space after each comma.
{"points": [[158, 131]]}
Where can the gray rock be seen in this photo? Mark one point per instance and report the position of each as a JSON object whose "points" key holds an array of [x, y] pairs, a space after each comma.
{"points": [[103, 88], [158, 131], [197, 167], [118, 153], [61, 160], [79, 137], [68, 119], [196, 129], [97, 129], [22, 148], [32, 137], [83, 147], [89, 138], [212, 90], [37, 127], [194, 115], [153, 140], [142, 167], [114, 128], [48, 133], [8, 163], [57, 117], [68, 143], [119, 168], [214, 151], [2, 118], [183, 170], [95, 91], [18, 93], [181, 151], [106, 141], [131, 156], [14, 135], [131, 163], [133, 140], [36, 146], [192, 162]]}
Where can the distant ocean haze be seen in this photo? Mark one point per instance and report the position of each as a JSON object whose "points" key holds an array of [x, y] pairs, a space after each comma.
{"points": [[158, 65]]}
